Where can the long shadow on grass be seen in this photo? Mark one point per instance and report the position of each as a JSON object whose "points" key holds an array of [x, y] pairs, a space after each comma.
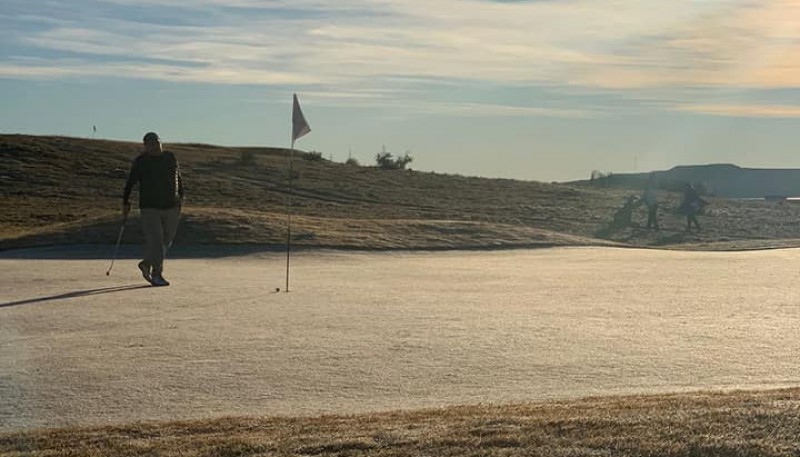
{"points": [[76, 294]]}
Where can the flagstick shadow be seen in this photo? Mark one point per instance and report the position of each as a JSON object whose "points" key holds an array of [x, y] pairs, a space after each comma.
{"points": [[76, 294]]}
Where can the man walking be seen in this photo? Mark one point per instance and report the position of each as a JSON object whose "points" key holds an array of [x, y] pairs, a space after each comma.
{"points": [[160, 199]]}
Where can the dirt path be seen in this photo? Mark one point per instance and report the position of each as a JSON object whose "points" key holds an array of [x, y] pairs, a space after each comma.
{"points": [[365, 332]]}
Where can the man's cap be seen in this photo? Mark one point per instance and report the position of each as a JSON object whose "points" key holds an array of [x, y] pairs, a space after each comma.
{"points": [[150, 137]]}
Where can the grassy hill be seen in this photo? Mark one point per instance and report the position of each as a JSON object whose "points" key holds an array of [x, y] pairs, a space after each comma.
{"points": [[58, 190]]}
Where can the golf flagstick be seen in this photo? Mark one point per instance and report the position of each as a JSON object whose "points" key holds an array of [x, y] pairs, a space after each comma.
{"points": [[299, 128], [289, 219]]}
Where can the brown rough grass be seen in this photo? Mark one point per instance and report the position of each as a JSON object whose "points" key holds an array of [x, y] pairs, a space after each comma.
{"points": [[700, 424], [57, 190]]}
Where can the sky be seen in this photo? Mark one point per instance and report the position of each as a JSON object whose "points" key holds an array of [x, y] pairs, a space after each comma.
{"points": [[544, 90]]}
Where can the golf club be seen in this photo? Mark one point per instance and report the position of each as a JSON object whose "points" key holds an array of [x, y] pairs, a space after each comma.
{"points": [[116, 247]]}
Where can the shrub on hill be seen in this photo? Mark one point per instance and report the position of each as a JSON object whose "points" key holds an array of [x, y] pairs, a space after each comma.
{"points": [[385, 161], [313, 156]]}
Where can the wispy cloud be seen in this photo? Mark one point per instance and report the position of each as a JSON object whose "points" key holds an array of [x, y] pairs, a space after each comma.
{"points": [[747, 45], [496, 110], [733, 110], [618, 46], [415, 100], [151, 71]]}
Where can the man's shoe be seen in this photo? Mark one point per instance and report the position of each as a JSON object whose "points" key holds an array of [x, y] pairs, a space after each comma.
{"points": [[159, 281], [145, 269]]}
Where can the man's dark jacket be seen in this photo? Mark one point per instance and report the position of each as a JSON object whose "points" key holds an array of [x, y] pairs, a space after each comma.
{"points": [[159, 179]]}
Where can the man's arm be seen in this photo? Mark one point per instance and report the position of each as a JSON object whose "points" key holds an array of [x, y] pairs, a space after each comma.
{"points": [[133, 178]]}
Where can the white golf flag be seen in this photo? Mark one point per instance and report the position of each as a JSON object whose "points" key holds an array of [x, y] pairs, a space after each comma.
{"points": [[299, 125]]}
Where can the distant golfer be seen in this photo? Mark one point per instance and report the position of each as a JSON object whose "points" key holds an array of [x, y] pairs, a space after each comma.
{"points": [[160, 199], [650, 200], [691, 206]]}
